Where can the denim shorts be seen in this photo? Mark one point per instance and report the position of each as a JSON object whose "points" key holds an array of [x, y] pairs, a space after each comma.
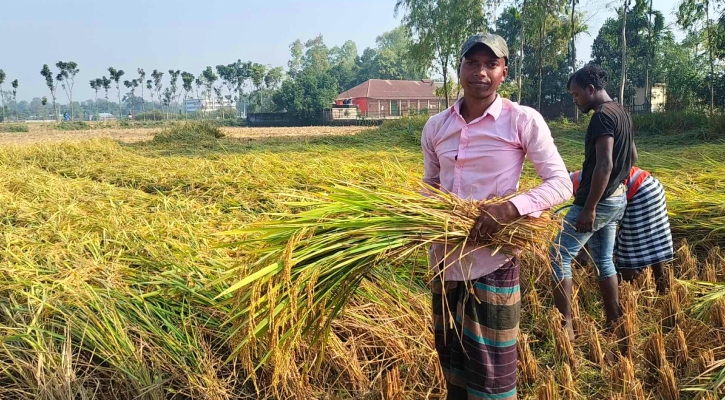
{"points": [[601, 240]]}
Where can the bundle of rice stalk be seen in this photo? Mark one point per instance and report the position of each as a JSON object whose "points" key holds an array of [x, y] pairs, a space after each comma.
{"points": [[706, 295], [311, 259]]}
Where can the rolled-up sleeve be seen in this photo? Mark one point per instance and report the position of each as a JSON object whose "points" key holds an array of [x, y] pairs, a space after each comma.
{"points": [[431, 165], [556, 187]]}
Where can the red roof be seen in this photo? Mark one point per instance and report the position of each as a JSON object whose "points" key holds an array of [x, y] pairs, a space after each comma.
{"points": [[392, 90]]}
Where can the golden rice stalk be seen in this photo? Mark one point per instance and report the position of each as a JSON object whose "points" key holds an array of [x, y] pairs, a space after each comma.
{"points": [[623, 375], [566, 381], [392, 386], [654, 351], [528, 368], [668, 384], [705, 360], [563, 349], [596, 354], [709, 272], [686, 262], [329, 241], [717, 314], [680, 352], [716, 257], [549, 390], [671, 308]]}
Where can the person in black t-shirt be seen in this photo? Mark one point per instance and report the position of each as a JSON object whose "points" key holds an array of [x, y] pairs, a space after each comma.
{"points": [[600, 201]]}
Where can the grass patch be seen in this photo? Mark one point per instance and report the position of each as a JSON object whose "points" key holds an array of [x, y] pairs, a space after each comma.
{"points": [[13, 128], [190, 135], [73, 126]]}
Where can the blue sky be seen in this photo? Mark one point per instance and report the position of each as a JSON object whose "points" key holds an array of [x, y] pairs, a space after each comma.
{"points": [[189, 35]]}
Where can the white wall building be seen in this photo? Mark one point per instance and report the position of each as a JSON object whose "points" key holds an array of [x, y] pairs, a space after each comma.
{"points": [[208, 104]]}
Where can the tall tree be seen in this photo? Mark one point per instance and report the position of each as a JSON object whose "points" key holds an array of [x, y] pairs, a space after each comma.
{"points": [[220, 98], [116, 77], [167, 99], [14, 84], [317, 56], [66, 77], [157, 76], [692, 15], [228, 77], [623, 45], [572, 49], [52, 86], [274, 78], [131, 86], [307, 95], [2, 98], [141, 77], [96, 85], [187, 79], [150, 87], [643, 35], [295, 63], [257, 75], [173, 81], [106, 83], [209, 78], [439, 28]]}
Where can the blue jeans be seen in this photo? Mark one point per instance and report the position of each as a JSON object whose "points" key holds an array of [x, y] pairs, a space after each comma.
{"points": [[601, 240]]}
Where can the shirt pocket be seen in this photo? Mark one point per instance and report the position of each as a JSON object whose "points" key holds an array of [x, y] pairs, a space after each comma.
{"points": [[447, 157]]}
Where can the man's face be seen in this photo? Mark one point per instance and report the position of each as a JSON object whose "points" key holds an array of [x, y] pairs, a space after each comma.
{"points": [[582, 96], [482, 72]]}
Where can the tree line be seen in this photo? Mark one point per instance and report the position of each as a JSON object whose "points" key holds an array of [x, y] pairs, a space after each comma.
{"points": [[636, 47]]}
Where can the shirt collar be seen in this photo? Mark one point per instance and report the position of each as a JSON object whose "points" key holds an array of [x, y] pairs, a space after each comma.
{"points": [[493, 110]]}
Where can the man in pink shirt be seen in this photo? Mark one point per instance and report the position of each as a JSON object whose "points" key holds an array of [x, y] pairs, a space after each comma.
{"points": [[476, 149]]}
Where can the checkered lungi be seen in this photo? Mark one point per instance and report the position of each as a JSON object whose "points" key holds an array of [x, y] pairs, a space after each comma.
{"points": [[644, 236], [477, 350]]}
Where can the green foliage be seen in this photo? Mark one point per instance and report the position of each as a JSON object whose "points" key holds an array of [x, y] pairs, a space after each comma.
{"points": [[641, 54], [72, 126], [440, 27], [717, 127], [13, 128], [306, 96], [153, 115], [669, 123]]}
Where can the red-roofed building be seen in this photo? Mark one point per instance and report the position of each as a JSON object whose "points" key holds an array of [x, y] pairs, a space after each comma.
{"points": [[382, 98]]}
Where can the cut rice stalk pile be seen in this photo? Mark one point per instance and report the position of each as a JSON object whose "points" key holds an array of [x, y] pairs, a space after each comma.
{"points": [[310, 260]]}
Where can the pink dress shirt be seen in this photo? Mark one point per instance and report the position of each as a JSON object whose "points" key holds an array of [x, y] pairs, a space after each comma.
{"points": [[484, 159]]}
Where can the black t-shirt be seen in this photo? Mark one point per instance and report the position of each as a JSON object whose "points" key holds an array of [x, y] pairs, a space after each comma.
{"points": [[609, 119]]}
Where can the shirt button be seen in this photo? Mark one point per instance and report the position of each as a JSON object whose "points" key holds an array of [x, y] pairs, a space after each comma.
{"points": [[458, 166]]}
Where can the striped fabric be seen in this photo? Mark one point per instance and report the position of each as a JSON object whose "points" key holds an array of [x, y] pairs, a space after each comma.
{"points": [[644, 236], [476, 333]]}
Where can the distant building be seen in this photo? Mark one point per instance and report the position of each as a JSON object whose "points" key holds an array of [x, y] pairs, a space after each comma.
{"points": [[208, 104], [658, 98], [383, 98], [106, 117]]}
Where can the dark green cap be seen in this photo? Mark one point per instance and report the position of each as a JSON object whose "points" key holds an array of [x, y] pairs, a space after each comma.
{"points": [[494, 42]]}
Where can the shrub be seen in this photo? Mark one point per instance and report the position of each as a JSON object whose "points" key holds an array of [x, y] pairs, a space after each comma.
{"points": [[192, 134], [73, 126], [12, 128], [668, 123]]}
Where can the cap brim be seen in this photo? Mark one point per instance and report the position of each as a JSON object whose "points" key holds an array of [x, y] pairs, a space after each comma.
{"points": [[497, 53]]}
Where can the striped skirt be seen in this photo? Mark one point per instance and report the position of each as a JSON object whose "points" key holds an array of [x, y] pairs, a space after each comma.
{"points": [[644, 236], [476, 332]]}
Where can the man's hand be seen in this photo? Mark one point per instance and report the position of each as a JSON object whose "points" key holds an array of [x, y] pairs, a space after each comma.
{"points": [[492, 219], [585, 220]]}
